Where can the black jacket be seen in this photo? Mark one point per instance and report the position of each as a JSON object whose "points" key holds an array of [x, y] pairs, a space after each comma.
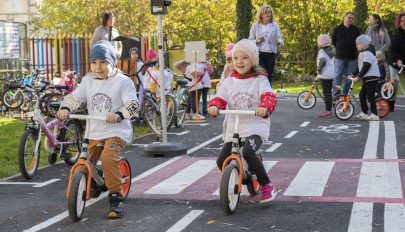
{"points": [[344, 40], [397, 50]]}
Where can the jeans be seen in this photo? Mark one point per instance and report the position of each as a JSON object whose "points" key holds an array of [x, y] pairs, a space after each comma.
{"points": [[343, 67], [267, 61], [252, 144]]}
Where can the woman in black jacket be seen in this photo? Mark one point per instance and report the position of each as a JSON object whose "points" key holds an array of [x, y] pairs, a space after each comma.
{"points": [[397, 53]]}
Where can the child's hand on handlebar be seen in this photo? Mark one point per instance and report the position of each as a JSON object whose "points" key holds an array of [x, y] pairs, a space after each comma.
{"points": [[112, 118], [213, 111], [63, 114], [261, 112]]}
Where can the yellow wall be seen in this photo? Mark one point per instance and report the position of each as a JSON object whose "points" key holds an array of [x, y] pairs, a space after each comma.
{"points": [[174, 56]]}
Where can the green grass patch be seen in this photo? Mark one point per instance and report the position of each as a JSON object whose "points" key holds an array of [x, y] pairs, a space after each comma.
{"points": [[11, 131], [297, 87]]}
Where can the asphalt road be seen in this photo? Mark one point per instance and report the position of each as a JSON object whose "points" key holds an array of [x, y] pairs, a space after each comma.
{"points": [[331, 175]]}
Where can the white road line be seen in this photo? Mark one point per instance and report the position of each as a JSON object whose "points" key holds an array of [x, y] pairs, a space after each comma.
{"points": [[394, 217], [196, 124], [361, 218], [181, 180], [203, 144], [180, 133], [291, 134], [304, 124], [45, 183], [65, 214], [185, 221], [390, 144], [311, 179], [139, 145], [274, 147], [401, 106], [370, 150], [379, 179], [40, 168]]}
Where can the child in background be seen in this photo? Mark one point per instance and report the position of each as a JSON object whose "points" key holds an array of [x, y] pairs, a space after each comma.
{"points": [[206, 84], [325, 72], [228, 68], [195, 72], [109, 93], [152, 75], [381, 64], [370, 74], [247, 88], [134, 56]]}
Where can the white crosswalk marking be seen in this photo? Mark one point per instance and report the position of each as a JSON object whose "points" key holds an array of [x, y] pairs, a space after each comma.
{"points": [[370, 151], [379, 179], [185, 221], [273, 147], [394, 217], [184, 178], [304, 124], [361, 218], [311, 179], [390, 144], [267, 165], [291, 134]]}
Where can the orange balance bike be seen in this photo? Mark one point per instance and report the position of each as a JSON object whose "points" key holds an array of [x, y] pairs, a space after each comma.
{"points": [[86, 179]]}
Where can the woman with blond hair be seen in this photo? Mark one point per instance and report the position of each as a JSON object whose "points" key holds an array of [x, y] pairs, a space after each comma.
{"points": [[266, 32]]}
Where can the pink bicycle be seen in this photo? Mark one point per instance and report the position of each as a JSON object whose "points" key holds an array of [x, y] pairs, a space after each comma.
{"points": [[61, 139]]}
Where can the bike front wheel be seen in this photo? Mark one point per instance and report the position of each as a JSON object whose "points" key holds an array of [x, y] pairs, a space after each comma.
{"points": [[77, 196], [383, 107], [344, 110], [181, 110], [125, 170], [152, 116], [170, 110], [73, 135], [306, 100], [228, 191], [13, 98], [387, 91], [28, 155]]}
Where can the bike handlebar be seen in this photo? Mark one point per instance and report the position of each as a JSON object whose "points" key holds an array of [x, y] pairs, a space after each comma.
{"points": [[241, 112], [399, 65], [87, 117]]}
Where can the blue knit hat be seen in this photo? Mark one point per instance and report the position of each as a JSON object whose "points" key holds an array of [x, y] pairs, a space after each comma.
{"points": [[103, 50]]}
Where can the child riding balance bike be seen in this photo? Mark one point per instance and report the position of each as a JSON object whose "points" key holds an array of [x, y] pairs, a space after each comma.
{"points": [[110, 94], [247, 88]]}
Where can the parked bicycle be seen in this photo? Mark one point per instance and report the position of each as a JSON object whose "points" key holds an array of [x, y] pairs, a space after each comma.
{"points": [[235, 171], [307, 99], [61, 139], [181, 98], [86, 179], [387, 90]]}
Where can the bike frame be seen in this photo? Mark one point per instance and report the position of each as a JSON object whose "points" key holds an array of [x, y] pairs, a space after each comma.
{"points": [[396, 79], [235, 152], [311, 90]]}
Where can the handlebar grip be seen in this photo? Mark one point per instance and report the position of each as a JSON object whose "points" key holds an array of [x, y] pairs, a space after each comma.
{"points": [[87, 117]]}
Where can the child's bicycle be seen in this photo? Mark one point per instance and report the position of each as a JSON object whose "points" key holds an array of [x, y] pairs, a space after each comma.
{"points": [[181, 97], [387, 90], [235, 171], [307, 99], [86, 179], [61, 139], [344, 108]]}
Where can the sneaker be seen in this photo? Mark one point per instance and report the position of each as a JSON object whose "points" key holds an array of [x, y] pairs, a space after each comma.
{"points": [[189, 117], [268, 193], [361, 116], [116, 209], [198, 117], [373, 117], [325, 114]]}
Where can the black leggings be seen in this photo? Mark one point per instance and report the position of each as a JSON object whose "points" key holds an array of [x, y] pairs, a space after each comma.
{"points": [[192, 106], [252, 144], [267, 61], [367, 93], [327, 93]]}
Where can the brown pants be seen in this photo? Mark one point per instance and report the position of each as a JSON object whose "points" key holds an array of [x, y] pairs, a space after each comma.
{"points": [[110, 156]]}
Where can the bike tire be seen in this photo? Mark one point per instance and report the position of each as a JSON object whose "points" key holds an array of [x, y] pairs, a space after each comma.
{"points": [[15, 101], [389, 93], [229, 195], [339, 110], [304, 103], [71, 153], [171, 109], [48, 108], [28, 157], [77, 196], [152, 116], [181, 110], [383, 107], [125, 170]]}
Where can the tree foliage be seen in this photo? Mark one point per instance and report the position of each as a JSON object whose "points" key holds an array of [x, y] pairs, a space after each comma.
{"points": [[360, 14], [217, 23]]}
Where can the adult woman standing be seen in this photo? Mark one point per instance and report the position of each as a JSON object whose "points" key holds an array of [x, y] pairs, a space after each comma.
{"points": [[268, 37], [378, 34], [397, 52], [102, 32]]}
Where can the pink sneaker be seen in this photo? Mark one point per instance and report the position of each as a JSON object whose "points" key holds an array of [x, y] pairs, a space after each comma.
{"points": [[325, 114], [268, 193]]}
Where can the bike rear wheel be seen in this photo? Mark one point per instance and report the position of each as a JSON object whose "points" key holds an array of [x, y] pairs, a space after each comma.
{"points": [[342, 112], [28, 156], [125, 170], [383, 107], [170, 110], [152, 116], [77, 195], [50, 107], [306, 100], [387, 91], [73, 133], [181, 110], [228, 192], [13, 98]]}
